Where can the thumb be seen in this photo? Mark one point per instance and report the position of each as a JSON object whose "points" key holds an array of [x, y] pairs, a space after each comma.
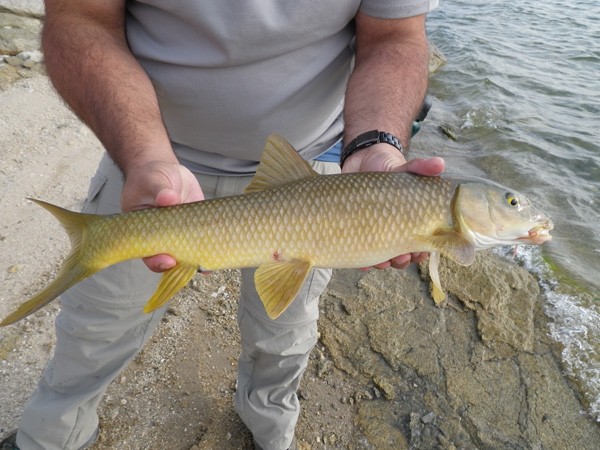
{"points": [[420, 166], [167, 197]]}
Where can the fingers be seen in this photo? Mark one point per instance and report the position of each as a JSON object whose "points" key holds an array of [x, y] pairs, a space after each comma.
{"points": [[160, 263], [400, 262]]}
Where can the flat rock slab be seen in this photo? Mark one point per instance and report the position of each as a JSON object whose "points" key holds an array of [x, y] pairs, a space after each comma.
{"points": [[479, 372], [30, 8], [18, 34]]}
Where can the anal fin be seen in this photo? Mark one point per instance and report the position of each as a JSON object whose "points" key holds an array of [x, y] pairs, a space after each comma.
{"points": [[278, 283], [172, 281]]}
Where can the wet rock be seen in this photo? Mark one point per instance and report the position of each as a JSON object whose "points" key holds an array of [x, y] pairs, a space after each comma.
{"points": [[502, 296], [478, 372], [436, 58], [450, 131]]}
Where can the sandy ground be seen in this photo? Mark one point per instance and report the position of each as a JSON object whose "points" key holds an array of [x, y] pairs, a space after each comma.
{"points": [[190, 364]]}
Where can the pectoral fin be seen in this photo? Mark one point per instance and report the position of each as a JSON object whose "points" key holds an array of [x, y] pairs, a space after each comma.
{"points": [[452, 245], [278, 283], [436, 289], [172, 281]]}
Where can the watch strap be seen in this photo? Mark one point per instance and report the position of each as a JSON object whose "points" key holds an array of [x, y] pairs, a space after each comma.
{"points": [[367, 139]]}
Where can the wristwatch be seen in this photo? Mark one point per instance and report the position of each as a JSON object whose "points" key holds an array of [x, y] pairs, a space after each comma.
{"points": [[366, 140]]}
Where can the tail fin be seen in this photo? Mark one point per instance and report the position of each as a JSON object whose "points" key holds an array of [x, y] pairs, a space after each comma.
{"points": [[71, 272]]}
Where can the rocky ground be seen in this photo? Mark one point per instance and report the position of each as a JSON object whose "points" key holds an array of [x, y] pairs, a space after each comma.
{"points": [[391, 370]]}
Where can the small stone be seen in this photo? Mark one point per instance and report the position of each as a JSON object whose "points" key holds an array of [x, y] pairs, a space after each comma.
{"points": [[302, 394], [388, 388], [428, 418], [14, 268], [25, 73], [323, 367], [13, 61], [330, 440], [173, 311], [35, 56], [29, 63], [376, 393]]}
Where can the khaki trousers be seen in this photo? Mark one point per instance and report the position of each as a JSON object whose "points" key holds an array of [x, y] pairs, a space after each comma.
{"points": [[101, 327]]}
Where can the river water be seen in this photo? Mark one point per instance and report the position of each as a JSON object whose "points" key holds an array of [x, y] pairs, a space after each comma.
{"points": [[521, 93]]}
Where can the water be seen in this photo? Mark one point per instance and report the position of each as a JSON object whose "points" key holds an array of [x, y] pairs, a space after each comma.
{"points": [[521, 89]]}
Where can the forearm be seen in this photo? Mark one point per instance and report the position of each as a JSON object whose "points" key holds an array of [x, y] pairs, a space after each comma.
{"points": [[92, 68], [389, 81]]}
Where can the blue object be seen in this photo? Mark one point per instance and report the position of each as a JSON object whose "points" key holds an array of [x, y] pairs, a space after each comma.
{"points": [[332, 154]]}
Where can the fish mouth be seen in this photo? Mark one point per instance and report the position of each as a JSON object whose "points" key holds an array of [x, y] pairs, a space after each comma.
{"points": [[539, 234]]}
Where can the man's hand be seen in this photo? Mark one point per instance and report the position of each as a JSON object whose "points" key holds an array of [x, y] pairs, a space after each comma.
{"points": [[384, 158], [158, 184]]}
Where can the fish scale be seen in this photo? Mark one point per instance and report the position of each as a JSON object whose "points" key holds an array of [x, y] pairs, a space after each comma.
{"points": [[291, 220]]}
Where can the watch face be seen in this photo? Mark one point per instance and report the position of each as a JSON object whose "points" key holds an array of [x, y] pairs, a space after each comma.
{"points": [[370, 138]]}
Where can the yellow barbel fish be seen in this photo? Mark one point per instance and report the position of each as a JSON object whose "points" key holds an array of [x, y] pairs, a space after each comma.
{"points": [[290, 220]]}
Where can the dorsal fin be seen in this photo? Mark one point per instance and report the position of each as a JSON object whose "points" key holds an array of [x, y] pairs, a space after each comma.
{"points": [[280, 164]]}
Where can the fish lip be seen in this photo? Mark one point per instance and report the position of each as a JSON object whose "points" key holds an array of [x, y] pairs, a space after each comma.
{"points": [[539, 234]]}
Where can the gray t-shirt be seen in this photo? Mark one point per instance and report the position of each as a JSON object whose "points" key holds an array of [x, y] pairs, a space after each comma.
{"points": [[229, 73]]}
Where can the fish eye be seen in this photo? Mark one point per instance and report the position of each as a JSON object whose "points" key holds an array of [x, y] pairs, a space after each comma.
{"points": [[511, 199]]}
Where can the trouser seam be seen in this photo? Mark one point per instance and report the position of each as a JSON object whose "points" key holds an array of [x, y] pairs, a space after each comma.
{"points": [[310, 286], [79, 414], [145, 332]]}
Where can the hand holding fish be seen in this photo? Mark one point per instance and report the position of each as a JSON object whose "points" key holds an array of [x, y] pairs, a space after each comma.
{"points": [[383, 158], [158, 184]]}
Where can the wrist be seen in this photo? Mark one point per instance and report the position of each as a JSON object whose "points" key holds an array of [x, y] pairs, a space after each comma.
{"points": [[376, 158], [129, 161], [368, 139]]}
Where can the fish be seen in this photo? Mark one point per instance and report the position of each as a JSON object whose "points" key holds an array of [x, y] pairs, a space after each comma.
{"points": [[290, 220]]}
